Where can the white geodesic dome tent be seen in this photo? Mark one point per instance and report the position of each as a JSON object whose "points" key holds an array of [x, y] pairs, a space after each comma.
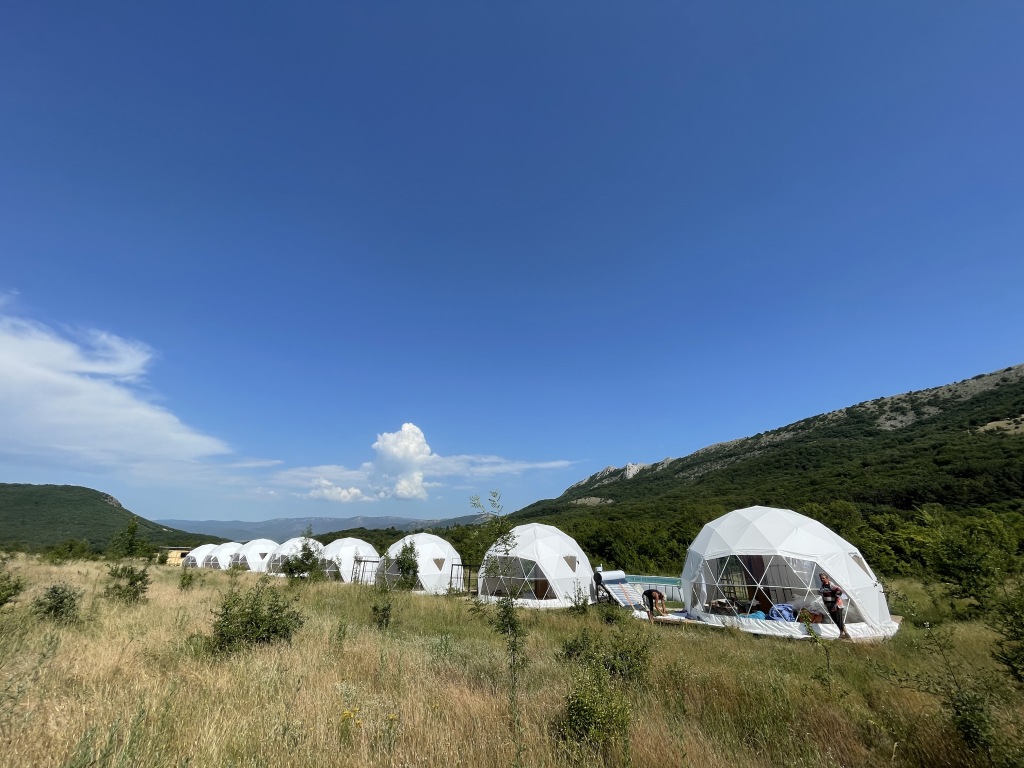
{"points": [[195, 558], [288, 549], [757, 558], [544, 568], [340, 556], [219, 558], [434, 556], [253, 555]]}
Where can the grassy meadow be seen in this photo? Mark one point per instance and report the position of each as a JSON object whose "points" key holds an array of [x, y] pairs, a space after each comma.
{"points": [[132, 686]]}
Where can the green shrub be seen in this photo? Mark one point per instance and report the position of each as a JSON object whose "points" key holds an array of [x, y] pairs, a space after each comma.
{"points": [[60, 602], [10, 585], [256, 617], [305, 565], [128, 584], [408, 567], [188, 579], [381, 610], [625, 655], [595, 711]]}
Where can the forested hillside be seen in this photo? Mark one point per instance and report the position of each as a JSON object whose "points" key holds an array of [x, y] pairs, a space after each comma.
{"points": [[33, 517], [917, 481]]}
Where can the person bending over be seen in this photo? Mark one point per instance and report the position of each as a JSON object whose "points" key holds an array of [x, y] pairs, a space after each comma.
{"points": [[654, 600]]}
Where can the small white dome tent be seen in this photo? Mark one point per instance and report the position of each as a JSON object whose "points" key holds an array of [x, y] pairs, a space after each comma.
{"points": [[194, 559], [544, 568], [288, 549], [759, 557], [219, 558], [434, 556], [339, 558], [253, 555]]}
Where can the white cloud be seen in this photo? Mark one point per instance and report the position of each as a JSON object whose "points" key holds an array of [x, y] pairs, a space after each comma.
{"points": [[73, 399], [405, 468], [325, 489]]}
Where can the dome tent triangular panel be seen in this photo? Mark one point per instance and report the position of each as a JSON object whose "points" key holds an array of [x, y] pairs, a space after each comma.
{"points": [[254, 555], [195, 558], [543, 568], [340, 555], [435, 558], [758, 557], [289, 549]]}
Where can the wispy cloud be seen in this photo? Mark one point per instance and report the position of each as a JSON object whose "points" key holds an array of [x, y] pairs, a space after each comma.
{"points": [[74, 398], [78, 399]]}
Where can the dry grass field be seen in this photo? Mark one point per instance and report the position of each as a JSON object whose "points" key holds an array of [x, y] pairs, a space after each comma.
{"points": [[128, 687]]}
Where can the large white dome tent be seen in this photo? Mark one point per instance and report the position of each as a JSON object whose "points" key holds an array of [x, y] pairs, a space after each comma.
{"points": [[339, 558], [434, 556], [544, 568], [755, 558], [253, 555], [219, 558], [289, 549], [195, 558]]}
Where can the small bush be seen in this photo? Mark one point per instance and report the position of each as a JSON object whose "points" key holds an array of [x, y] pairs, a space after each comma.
{"points": [[305, 565], [128, 584], [381, 610], [188, 579], [625, 655], [10, 585], [595, 711], [60, 602], [256, 617]]}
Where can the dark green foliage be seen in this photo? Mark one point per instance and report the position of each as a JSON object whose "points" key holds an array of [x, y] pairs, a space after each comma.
{"points": [[11, 585], [1008, 619], [305, 565], [70, 549], [60, 603], [128, 584], [188, 579], [625, 653], [128, 543], [381, 610], [596, 712], [34, 517], [408, 567], [258, 616]]}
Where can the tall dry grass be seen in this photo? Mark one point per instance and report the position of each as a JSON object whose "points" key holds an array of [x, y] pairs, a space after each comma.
{"points": [[127, 687]]}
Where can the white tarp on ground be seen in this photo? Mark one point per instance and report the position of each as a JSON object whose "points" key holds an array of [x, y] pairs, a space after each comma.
{"points": [[219, 558], [195, 558], [288, 549], [758, 557], [253, 555], [434, 556], [544, 568], [339, 557]]}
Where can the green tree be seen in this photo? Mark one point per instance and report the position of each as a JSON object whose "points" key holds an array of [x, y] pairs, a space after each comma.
{"points": [[128, 543]]}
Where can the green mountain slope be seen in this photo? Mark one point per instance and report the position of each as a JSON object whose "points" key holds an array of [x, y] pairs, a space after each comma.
{"points": [[890, 474], [33, 517]]}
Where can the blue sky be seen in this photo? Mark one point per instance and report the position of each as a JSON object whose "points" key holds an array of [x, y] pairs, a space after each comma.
{"points": [[325, 259]]}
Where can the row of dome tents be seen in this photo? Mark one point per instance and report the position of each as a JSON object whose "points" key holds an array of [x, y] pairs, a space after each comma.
{"points": [[737, 570], [545, 567]]}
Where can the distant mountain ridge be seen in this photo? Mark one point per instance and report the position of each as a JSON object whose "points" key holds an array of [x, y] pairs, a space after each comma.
{"points": [[281, 528]]}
